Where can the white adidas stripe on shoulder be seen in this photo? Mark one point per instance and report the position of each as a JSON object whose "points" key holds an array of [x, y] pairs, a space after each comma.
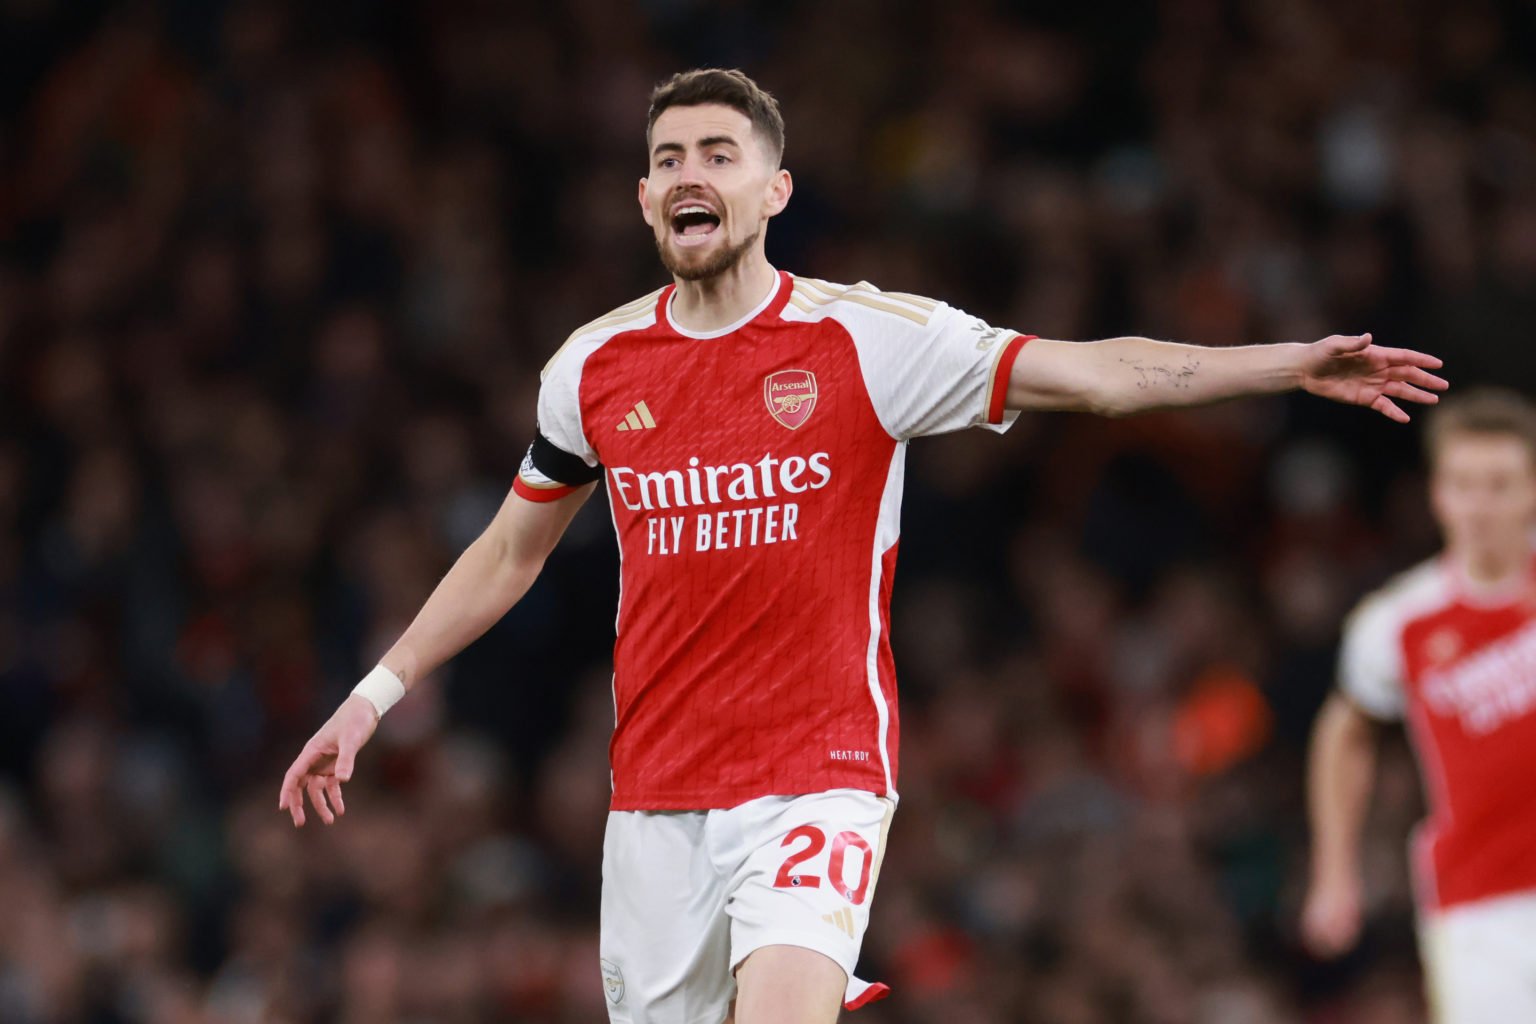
{"points": [[612, 322], [1425, 581], [1409, 593], [811, 294]]}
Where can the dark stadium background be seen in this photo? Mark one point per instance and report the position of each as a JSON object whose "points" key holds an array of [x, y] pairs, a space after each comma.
{"points": [[276, 280]]}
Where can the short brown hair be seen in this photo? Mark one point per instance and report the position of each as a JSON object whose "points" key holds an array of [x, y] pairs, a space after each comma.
{"points": [[1485, 410], [727, 87]]}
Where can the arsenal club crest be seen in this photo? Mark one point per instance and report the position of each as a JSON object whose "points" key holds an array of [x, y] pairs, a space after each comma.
{"points": [[791, 395]]}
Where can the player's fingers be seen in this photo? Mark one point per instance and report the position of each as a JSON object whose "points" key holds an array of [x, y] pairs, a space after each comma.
{"points": [[295, 798], [1423, 378], [317, 797], [1389, 409], [1344, 344], [1324, 944], [1339, 935], [322, 806], [346, 758], [299, 770], [1324, 933], [1409, 393], [1408, 357], [333, 791], [289, 799]]}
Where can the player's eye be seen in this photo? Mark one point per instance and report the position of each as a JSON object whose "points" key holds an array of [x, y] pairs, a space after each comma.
{"points": [[666, 163], [719, 159]]}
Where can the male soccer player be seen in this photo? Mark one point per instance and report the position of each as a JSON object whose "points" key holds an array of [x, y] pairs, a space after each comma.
{"points": [[751, 427], [1451, 647]]}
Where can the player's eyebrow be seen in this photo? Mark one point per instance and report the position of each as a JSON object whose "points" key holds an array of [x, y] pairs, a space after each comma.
{"points": [[704, 143]]}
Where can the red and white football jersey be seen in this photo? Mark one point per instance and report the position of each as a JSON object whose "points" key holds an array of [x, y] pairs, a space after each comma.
{"points": [[1460, 666], [755, 476]]}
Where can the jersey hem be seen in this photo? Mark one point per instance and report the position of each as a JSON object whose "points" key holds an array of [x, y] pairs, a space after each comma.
{"points": [[1464, 902], [720, 801]]}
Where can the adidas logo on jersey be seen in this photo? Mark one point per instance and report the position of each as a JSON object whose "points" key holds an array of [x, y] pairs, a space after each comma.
{"points": [[842, 921], [638, 418]]}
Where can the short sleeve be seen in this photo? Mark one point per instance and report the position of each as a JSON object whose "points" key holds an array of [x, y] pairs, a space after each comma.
{"points": [[559, 460], [944, 372], [1371, 662]]}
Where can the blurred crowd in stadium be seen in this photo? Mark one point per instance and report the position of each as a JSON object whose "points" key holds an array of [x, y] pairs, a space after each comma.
{"points": [[276, 281]]}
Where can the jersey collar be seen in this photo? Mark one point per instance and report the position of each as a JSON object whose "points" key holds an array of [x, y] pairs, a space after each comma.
{"points": [[772, 303], [1519, 587]]}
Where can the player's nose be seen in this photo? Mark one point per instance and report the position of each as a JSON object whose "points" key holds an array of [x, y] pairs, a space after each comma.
{"points": [[692, 170]]}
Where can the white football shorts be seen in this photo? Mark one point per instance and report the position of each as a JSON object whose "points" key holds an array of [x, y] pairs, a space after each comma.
{"points": [[1480, 961], [688, 895]]}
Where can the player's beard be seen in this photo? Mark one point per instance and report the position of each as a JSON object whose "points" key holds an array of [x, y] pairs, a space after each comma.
{"points": [[723, 259]]}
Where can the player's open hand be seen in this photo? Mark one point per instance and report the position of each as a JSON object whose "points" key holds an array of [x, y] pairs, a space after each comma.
{"points": [[1331, 918], [1352, 370], [327, 761]]}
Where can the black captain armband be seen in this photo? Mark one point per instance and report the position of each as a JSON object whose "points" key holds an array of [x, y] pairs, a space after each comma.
{"points": [[549, 472], [559, 464]]}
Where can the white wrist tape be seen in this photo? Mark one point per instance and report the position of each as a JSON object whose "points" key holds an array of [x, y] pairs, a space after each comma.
{"points": [[382, 688]]}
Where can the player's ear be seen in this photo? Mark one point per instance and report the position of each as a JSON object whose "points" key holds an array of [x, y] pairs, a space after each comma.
{"points": [[645, 208], [780, 186]]}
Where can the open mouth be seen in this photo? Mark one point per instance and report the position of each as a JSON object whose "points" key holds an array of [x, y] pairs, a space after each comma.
{"points": [[692, 222]]}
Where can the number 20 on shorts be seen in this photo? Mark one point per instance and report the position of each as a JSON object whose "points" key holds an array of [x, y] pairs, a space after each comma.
{"points": [[816, 841]]}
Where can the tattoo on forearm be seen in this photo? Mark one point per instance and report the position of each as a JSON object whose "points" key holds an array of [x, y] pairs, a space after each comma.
{"points": [[1155, 375]]}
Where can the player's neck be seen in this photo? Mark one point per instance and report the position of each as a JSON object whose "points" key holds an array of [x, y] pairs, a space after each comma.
{"points": [[719, 301], [1494, 568]]}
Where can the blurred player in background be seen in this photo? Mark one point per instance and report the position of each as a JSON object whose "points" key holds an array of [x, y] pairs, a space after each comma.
{"points": [[1449, 647], [751, 429]]}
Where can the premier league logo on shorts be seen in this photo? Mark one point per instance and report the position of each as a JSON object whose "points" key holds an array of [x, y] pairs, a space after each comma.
{"points": [[791, 395], [613, 981]]}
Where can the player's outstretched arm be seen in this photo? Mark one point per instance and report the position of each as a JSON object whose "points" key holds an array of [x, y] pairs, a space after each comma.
{"points": [[1122, 376], [1341, 769], [490, 577]]}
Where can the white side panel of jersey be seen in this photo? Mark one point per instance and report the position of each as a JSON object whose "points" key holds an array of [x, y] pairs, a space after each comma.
{"points": [[1371, 658], [887, 532], [929, 367], [560, 382]]}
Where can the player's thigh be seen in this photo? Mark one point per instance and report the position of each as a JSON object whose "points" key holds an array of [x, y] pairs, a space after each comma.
{"points": [[807, 879], [665, 937], [1480, 962], [788, 985]]}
